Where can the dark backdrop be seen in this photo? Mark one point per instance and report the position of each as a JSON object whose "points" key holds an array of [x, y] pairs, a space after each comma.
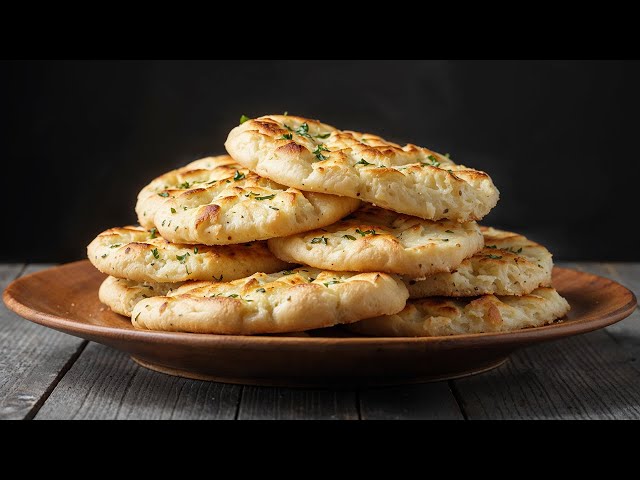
{"points": [[80, 138]]}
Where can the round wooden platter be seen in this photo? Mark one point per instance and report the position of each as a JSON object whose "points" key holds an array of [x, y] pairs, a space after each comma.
{"points": [[66, 298]]}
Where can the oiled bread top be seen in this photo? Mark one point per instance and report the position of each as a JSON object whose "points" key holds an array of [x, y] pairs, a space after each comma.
{"points": [[312, 156], [214, 201]]}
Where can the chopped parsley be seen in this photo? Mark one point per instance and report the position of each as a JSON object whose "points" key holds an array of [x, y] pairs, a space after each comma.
{"points": [[494, 257], [184, 185], [349, 237], [287, 272], [366, 232], [212, 181], [266, 197], [261, 290], [116, 245], [434, 161], [363, 162], [164, 194], [136, 319], [318, 152], [323, 135], [183, 258], [238, 176], [173, 210], [363, 140], [332, 282], [273, 208], [156, 255], [286, 136], [286, 114], [233, 295], [104, 256], [243, 118], [153, 233], [195, 250], [303, 130], [321, 239]]}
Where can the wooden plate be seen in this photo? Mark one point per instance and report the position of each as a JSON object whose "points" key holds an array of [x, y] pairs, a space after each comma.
{"points": [[66, 298]]}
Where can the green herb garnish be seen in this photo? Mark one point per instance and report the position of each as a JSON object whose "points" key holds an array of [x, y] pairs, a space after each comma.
{"points": [[104, 256], [173, 210], [363, 162], [238, 176], [349, 237], [184, 185], [273, 208], [183, 258], [153, 233], [448, 231], [115, 245], [261, 290], [195, 250], [321, 239], [287, 272], [266, 197], [332, 282], [303, 130], [494, 257], [156, 255], [323, 135], [366, 232], [243, 118], [318, 152], [233, 295], [286, 136], [164, 194]]}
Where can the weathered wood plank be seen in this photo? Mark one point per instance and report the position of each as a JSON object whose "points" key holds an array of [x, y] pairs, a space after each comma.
{"points": [[627, 332], [588, 376], [32, 358], [265, 403], [430, 401], [106, 384]]}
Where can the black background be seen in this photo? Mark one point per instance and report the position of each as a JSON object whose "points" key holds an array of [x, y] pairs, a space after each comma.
{"points": [[79, 139]]}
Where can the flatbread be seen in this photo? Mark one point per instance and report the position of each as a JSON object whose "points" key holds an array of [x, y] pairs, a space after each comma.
{"points": [[121, 295], [438, 316], [288, 301], [509, 264], [137, 254], [316, 157], [378, 240], [213, 201]]}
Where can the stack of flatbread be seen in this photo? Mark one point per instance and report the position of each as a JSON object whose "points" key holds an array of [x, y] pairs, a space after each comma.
{"points": [[304, 226]]}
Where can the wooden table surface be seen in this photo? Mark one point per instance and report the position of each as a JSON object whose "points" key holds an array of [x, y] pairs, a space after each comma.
{"points": [[45, 374]]}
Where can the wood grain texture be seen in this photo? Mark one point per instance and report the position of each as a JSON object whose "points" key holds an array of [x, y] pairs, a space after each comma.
{"points": [[584, 377], [265, 403], [106, 384], [627, 332], [32, 358], [430, 401]]}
